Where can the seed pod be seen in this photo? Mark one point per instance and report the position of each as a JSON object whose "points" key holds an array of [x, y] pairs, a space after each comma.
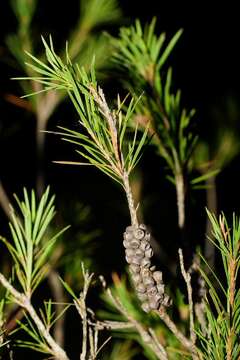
{"points": [[153, 304], [149, 253], [126, 244], [166, 301], [160, 288], [129, 229], [134, 244], [152, 268], [145, 263], [157, 275], [142, 296], [136, 260], [140, 288], [128, 259], [148, 281], [146, 307], [139, 234], [130, 252], [134, 268], [152, 290], [136, 278], [144, 245]]}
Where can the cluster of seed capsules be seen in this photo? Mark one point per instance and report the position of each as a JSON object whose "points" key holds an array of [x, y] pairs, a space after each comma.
{"points": [[148, 282]]}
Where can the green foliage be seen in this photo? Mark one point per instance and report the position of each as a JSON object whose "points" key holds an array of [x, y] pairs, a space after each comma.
{"points": [[32, 242], [104, 144], [141, 57], [223, 303]]}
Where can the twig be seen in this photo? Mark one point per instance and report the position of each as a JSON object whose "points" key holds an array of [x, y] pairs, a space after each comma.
{"points": [[187, 279], [180, 192], [188, 344], [146, 335], [24, 302], [132, 210], [4, 201], [112, 325], [58, 297]]}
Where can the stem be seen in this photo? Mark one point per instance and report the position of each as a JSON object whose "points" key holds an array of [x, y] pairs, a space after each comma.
{"points": [[146, 334], [4, 201], [58, 297], [180, 192], [211, 200], [132, 210], [24, 302], [188, 344], [187, 278]]}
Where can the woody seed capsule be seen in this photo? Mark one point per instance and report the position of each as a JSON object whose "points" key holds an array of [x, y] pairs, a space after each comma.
{"points": [[130, 252], [144, 245], [139, 234], [134, 244], [146, 307], [136, 278], [141, 288], [152, 290], [157, 275], [145, 262], [134, 268], [142, 296], [149, 253]]}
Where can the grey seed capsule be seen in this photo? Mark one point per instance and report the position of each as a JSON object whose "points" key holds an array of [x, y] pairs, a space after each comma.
{"points": [[139, 252], [148, 281], [160, 288], [145, 262], [139, 234], [146, 273], [126, 244], [146, 307], [134, 268], [136, 260], [152, 268], [140, 288], [153, 304], [151, 291], [166, 301], [134, 244], [136, 278], [158, 297], [149, 253], [144, 245], [128, 259], [129, 229], [157, 275], [128, 236], [142, 296], [130, 252]]}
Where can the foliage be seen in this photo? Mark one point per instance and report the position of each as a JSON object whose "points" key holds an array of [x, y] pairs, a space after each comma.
{"points": [[32, 246], [222, 305]]}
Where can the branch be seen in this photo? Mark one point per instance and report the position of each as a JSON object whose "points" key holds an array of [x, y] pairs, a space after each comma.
{"points": [[188, 344], [187, 279], [146, 335], [24, 302]]}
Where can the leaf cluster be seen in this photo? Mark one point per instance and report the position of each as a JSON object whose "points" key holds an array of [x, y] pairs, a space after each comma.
{"points": [[141, 58], [223, 302], [32, 243], [103, 138]]}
